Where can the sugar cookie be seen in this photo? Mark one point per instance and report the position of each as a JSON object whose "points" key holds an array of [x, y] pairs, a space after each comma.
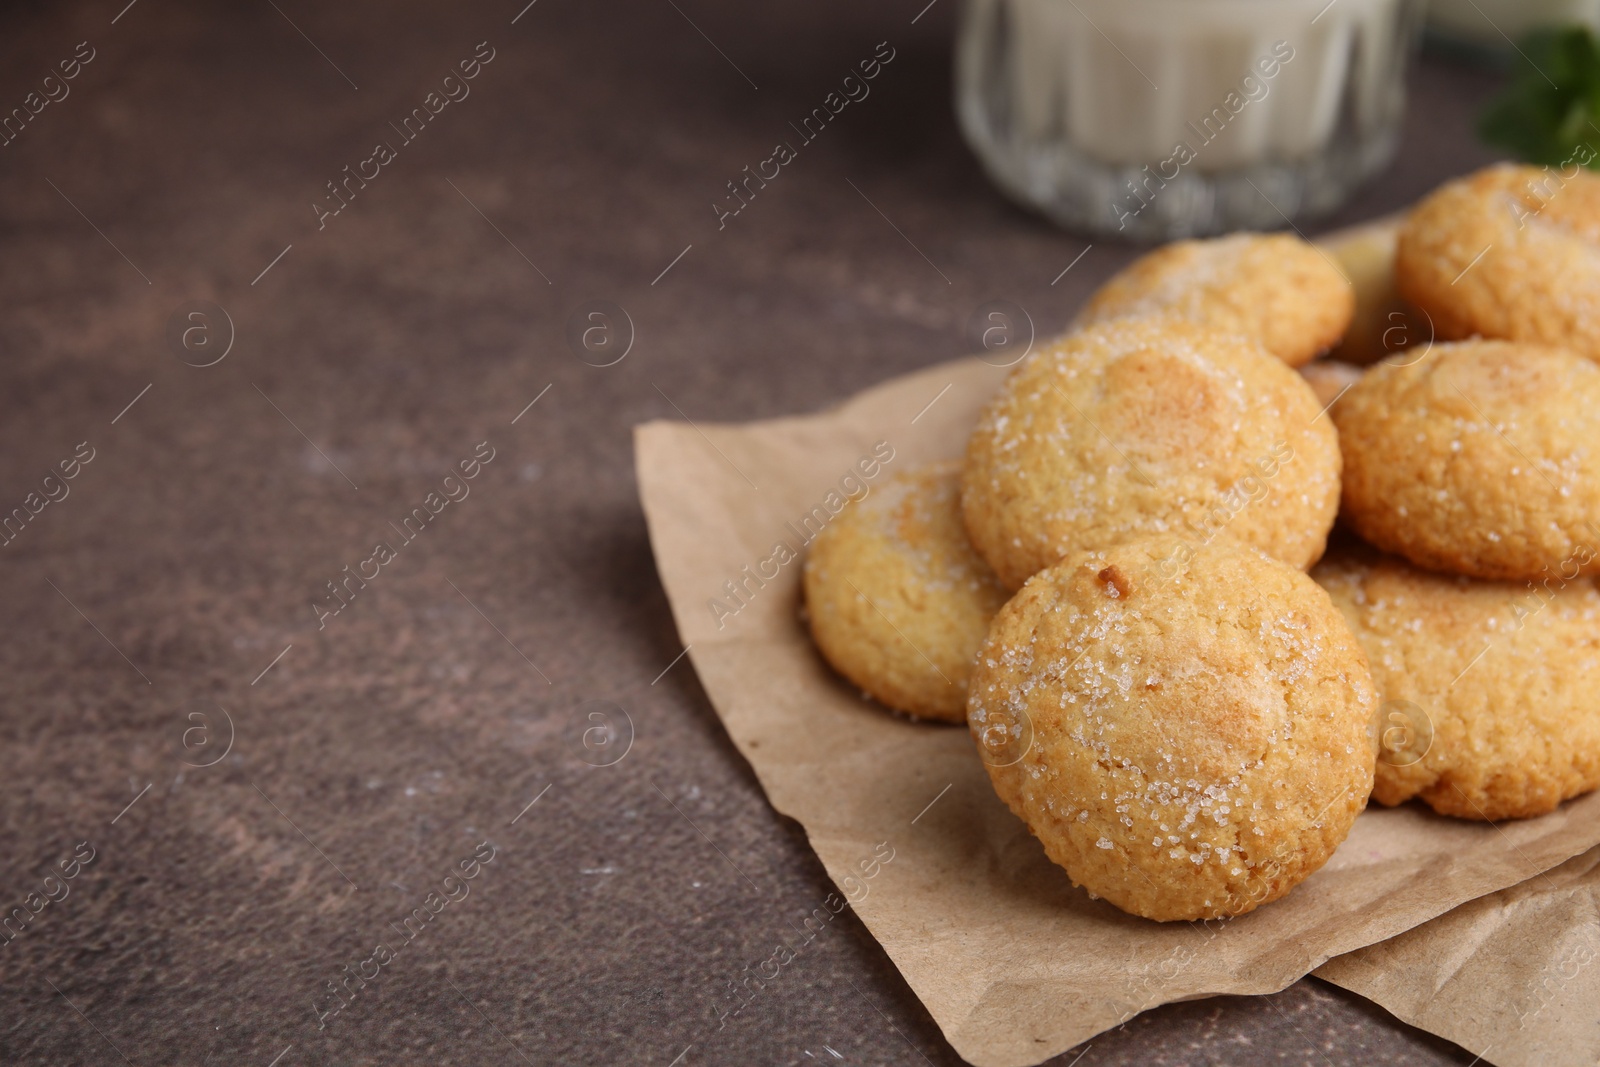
{"points": [[897, 598], [1142, 426], [1508, 252], [1187, 743], [1273, 288], [1480, 458], [1490, 690]]}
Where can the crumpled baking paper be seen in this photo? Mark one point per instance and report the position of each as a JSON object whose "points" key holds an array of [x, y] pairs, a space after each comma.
{"points": [[1511, 976]]}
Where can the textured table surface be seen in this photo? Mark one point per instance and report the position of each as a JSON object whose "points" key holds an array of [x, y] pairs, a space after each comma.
{"points": [[269, 789]]}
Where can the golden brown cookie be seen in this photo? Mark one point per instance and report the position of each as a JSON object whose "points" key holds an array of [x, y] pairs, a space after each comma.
{"points": [[897, 598], [1509, 252], [1188, 741], [1275, 289], [1483, 458], [1490, 690], [1143, 426]]}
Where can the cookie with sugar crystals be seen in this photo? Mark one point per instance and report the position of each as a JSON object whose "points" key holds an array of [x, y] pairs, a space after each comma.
{"points": [[1276, 289], [1479, 458], [1508, 252], [1149, 426], [898, 600], [1490, 691], [1187, 742]]}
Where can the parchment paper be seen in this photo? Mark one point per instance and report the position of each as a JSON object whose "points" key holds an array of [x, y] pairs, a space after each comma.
{"points": [[1511, 977], [1012, 962]]}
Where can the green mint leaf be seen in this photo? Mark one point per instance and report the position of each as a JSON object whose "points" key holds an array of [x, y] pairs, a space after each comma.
{"points": [[1553, 103]]}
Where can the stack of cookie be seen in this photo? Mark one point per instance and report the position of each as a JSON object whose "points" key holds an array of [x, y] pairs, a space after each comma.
{"points": [[1111, 592], [1472, 458]]}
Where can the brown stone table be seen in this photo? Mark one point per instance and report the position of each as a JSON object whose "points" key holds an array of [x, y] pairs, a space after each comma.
{"points": [[268, 789]]}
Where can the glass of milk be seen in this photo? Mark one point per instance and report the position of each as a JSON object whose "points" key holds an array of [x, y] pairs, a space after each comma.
{"points": [[1155, 119]]}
